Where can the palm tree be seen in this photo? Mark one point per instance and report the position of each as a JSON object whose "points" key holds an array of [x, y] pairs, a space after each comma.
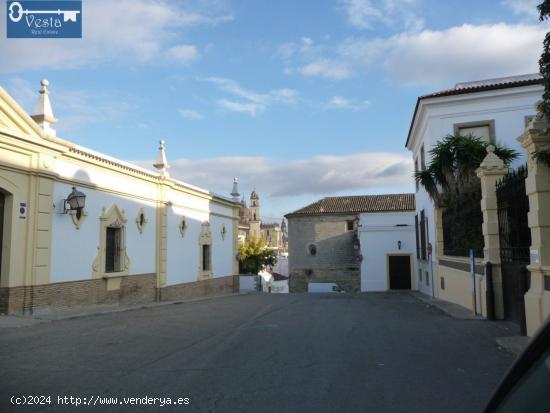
{"points": [[454, 160]]}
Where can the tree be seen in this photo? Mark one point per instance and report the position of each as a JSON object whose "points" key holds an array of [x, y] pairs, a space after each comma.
{"points": [[255, 256], [454, 160], [544, 61]]}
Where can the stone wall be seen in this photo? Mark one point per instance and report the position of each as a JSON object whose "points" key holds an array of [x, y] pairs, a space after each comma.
{"points": [[203, 288], [335, 259], [134, 289]]}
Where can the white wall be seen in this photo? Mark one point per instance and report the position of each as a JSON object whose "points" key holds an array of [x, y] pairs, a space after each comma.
{"points": [[184, 251], [379, 236], [74, 250], [222, 249]]}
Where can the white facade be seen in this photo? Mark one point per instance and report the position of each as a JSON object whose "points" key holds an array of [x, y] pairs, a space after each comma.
{"points": [[505, 111], [381, 235]]}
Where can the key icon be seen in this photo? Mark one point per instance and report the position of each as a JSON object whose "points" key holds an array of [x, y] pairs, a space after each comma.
{"points": [[17, 12]]}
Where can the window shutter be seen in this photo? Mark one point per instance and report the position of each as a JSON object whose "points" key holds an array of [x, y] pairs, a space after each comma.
{"points": [[422, 235], [416, 233]]}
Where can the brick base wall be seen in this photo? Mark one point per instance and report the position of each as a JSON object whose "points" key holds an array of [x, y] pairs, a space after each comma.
{"points": [[212, 286], [134, 289], [348, 280]]}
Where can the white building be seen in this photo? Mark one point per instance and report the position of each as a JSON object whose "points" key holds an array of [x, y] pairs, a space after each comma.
{"points": [[388, 246], [495, 109], [140, 236], [354, 243]]}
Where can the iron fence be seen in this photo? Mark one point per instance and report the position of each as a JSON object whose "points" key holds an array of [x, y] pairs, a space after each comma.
{"points": [[462, 224]]}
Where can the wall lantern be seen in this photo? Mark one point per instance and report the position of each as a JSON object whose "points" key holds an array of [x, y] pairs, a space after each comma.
{"points": [[398, 245], [74, 205], [76, 201]]}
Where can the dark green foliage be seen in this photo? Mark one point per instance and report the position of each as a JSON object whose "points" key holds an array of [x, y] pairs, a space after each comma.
{"points": [[544, 61], [454, 160]]}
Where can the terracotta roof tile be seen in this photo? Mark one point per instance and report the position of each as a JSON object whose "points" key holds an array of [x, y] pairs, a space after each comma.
{"points": [[358, 204]]}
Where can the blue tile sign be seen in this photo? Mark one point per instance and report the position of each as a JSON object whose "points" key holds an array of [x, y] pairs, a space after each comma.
{"points": [[44, 19]]}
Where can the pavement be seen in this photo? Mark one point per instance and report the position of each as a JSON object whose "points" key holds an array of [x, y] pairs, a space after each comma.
{"points": [[387, 352]]}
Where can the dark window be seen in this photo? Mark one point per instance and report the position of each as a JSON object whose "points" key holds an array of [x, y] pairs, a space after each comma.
{"points": [[112, 249], [442, 283], [206, 257], [419, 275], [427, 278], [422, 235], [417, 238], [312, 249], [349, 225]]}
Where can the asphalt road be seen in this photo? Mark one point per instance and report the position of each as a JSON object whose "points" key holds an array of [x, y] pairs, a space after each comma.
{"points": [[260, 353]]}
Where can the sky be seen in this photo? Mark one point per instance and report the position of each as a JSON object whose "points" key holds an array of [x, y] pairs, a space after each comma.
{"points": [[298, 99]]}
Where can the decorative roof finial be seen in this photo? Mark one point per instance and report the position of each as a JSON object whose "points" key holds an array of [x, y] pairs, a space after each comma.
{"points": [[235, 192], [43, 113], [162, 163]]}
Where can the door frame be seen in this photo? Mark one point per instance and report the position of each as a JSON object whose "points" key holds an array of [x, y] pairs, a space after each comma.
{"points": [[411, 267]]}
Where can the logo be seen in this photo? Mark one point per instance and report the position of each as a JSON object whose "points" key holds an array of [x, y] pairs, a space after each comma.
{"points": [[43, 19]]}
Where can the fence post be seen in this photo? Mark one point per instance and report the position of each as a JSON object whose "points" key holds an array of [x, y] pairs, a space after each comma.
{"points": [[489, 293], [537, 185], [490, 171]]}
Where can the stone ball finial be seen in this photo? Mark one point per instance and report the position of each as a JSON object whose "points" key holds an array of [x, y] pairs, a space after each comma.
{"points": [[161, 144], [490, 148], [44, 82]]}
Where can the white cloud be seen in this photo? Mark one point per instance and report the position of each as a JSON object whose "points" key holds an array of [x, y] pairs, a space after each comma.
{"points": [[190, 114], [320, 175], [326, 68], [251, 102], [524, 8], [248, 108], [432, 57], [366, 14], [183, 53], [465, 52], [339, 102], [122, 30]]}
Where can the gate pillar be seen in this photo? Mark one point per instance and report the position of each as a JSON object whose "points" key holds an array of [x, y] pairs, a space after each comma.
{"points": [[536, 138], [490, 171]]}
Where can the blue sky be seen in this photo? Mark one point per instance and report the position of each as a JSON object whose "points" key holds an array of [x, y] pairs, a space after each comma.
{"points": [[301, 99]]}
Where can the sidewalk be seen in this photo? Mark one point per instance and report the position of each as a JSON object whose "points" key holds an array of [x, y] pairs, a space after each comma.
{"points": [[452, 309], [55, 314], [513, 342]]}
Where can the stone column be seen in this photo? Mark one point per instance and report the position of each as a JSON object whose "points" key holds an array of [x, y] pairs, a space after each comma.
{"points": [[490, 171], [536, 138]]}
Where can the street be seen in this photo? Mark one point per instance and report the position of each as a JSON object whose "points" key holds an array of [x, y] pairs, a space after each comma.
{"points": [[379, 352]]}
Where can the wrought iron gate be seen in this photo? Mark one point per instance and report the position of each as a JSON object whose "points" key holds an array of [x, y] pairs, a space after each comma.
{"points": [[515, 240]]}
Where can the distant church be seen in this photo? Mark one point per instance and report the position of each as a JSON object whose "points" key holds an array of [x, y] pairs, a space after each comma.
{"points": [[251, 225]]}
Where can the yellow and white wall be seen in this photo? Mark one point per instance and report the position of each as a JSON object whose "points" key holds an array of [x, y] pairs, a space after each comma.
{"points": [[48, 259]]}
